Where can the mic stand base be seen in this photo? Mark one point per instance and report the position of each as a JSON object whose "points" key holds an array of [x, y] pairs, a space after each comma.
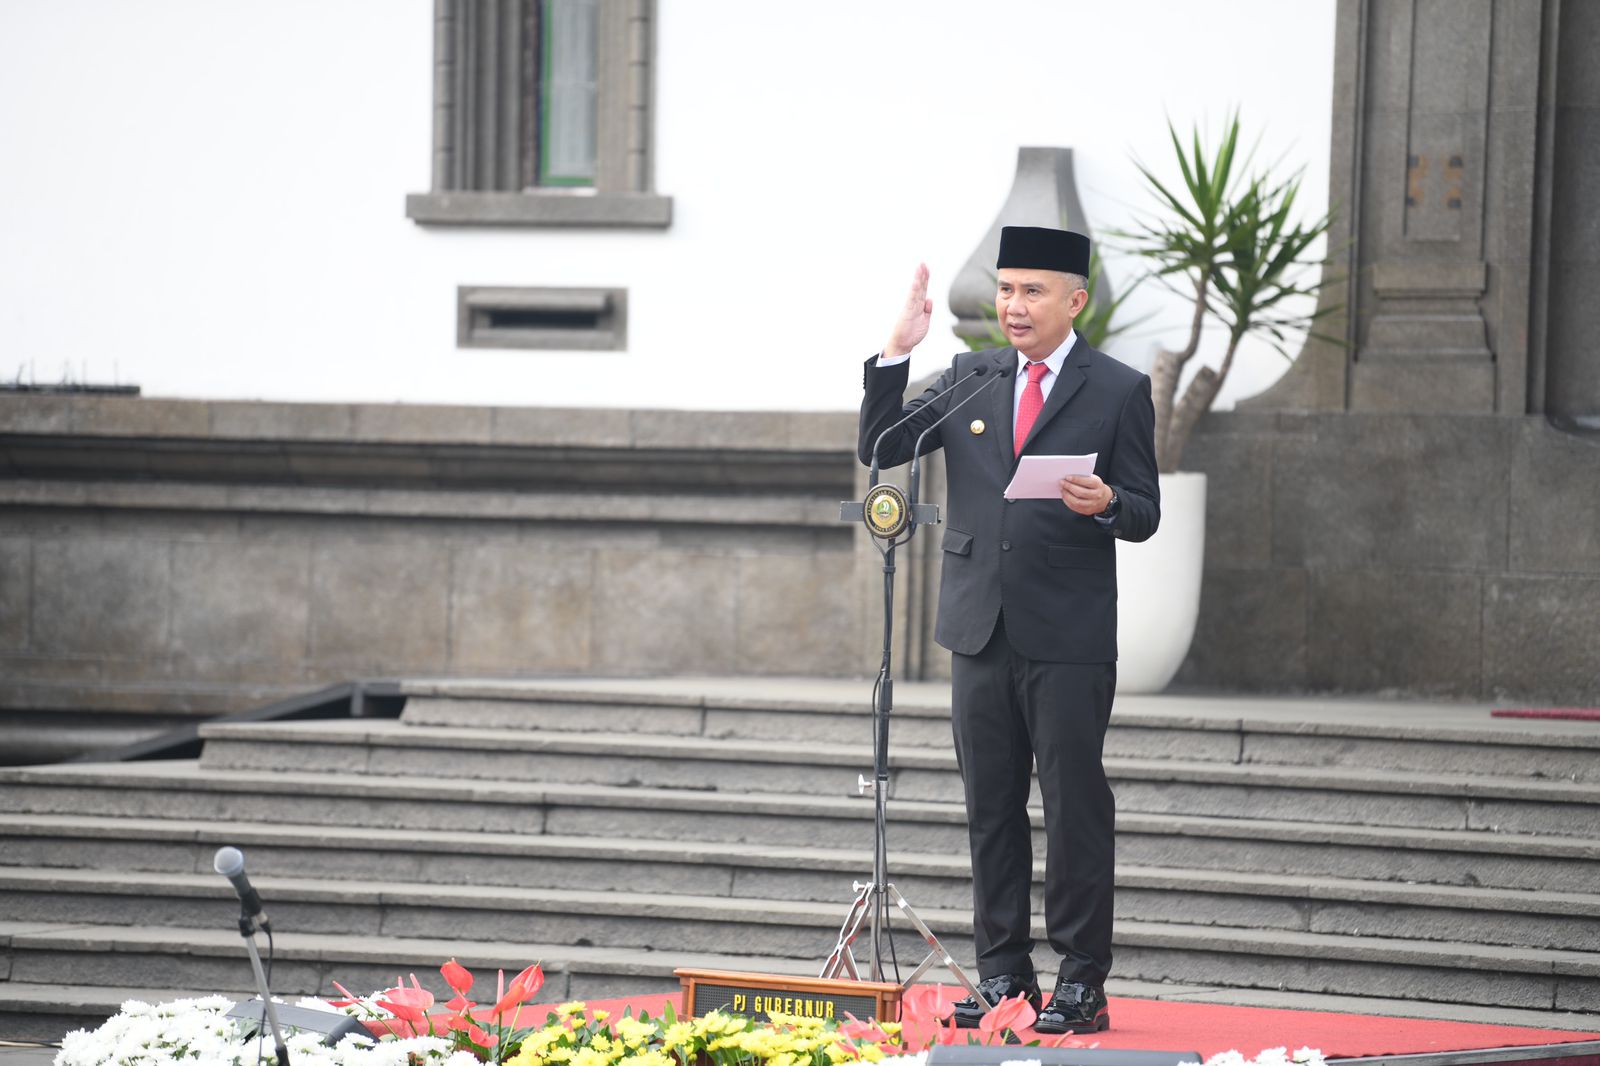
{"points": [[841, 962], [247, 929]]}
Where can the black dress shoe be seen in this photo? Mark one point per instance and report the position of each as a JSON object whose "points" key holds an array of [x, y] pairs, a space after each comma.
{"points": [[1075, 1008], [969, 1012]]}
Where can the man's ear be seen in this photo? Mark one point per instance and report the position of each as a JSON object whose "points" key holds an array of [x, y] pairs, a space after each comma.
{"points": [[1078, 301]]}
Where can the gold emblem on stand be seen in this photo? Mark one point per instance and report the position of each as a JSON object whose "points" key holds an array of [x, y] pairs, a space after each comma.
{"points": [[887, 512], [977, 426]]}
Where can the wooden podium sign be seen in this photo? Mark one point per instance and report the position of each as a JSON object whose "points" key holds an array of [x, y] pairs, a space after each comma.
{"points": [[761, 995]]}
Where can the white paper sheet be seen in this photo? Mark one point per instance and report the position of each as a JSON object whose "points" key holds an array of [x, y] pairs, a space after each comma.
{"points": [[1037, 476]]}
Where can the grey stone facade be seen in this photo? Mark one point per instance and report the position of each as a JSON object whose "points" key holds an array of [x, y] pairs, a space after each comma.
{"points": [[1415, 510], [193, 556], [1428, 555]]}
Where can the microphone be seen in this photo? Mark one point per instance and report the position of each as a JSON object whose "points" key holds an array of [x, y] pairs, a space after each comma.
{"points": [[230, 864], [916, 453], [872, 476]]}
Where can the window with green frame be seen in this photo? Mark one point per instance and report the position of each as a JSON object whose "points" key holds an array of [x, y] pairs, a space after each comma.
{"points": [[569, 61], [535, 100]]}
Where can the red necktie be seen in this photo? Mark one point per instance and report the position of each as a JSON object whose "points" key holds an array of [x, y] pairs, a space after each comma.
{"points": [[1032, 402]]}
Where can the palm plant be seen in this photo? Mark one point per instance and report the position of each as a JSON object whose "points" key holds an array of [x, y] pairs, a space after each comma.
{"points": [[1229, 243]]}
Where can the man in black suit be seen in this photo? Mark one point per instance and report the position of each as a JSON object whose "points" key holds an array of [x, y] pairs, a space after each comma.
{"points": [[1028, 605]]}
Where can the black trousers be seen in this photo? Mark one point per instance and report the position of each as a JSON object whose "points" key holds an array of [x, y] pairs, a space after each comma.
{"points": [[1007, 713]]}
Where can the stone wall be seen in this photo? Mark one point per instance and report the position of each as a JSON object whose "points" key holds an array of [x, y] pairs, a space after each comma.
{"points": [[201, 557], [1422, 555], [164, 558]]}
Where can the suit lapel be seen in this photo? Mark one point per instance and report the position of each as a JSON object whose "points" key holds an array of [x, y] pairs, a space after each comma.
{"points": [[1068, 382], [1001, 403]]}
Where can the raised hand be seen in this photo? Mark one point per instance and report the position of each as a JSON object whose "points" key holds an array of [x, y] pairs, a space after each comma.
{"points": [[915, 314]]}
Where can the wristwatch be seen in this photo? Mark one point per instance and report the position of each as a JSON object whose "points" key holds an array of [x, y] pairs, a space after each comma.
{"points": [[1111, 506]]}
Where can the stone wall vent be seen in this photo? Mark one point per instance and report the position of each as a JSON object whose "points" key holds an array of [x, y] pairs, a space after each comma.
{"points": [[569, 319]]}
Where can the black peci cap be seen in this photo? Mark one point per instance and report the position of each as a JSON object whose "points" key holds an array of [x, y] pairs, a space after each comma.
{"points": [[1037, 248]]}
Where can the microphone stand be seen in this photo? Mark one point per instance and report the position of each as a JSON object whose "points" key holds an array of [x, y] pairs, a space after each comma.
{"points": [[247, 929], [871, 904]]}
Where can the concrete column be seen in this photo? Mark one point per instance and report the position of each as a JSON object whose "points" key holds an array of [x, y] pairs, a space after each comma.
{"points": [[1436, 110]]}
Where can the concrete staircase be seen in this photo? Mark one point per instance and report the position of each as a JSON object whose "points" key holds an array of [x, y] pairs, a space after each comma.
{"points": [[1390, 858]]}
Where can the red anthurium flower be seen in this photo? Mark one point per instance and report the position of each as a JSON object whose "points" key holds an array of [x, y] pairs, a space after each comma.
{"points": [[411, 1004], [457, 977], [349, 996], [532, 979], [856, 1029], [922, 1002], [513, 997], [1015, 1014], [922, 1008], [460, 1005], [474, 1033], [949, 1034]]}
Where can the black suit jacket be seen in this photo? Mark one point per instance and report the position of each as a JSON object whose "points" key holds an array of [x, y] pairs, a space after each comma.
{"points": [[1052, 571]]}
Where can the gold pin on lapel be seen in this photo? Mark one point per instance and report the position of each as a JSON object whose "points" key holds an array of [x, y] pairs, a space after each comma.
{"points": [[977, 426]]}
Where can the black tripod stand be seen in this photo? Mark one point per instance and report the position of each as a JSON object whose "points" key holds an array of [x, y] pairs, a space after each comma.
{"points": [[892, 519]]}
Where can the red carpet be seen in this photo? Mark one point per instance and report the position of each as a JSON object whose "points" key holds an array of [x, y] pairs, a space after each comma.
{"points": [[1160, 1025], [1573, 714]]}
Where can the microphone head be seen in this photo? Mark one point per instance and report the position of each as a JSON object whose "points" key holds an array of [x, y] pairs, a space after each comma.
{"points": [[1005, 371], [978, 371], [229, 862]]}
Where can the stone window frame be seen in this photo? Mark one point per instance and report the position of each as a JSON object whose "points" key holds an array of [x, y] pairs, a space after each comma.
{"points": [[579, 319], [482, 125]]}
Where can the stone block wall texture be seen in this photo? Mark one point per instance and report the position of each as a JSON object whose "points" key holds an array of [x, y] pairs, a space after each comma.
{"points": [[1452, 556], [158, 557], [204, 557]]}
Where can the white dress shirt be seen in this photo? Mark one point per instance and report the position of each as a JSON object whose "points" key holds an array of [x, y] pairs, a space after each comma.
{"points": [[1046, 383]]}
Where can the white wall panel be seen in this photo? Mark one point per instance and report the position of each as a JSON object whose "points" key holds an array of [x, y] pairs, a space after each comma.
{"points": [[205, 197]]}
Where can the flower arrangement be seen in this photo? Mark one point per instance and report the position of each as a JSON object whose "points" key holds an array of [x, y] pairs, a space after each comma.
{"points": [[199, 1031], [403, 1011], [407, 1031]]}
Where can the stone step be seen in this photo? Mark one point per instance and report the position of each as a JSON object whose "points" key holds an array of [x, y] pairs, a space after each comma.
{"points": [[45, 953], [45, 1013], [1337, 794], [1462, 973], [616, 913], [179, 791], [1464, 741]]}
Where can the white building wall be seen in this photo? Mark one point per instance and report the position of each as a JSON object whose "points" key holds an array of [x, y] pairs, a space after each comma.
{"points": [[206, 197]]}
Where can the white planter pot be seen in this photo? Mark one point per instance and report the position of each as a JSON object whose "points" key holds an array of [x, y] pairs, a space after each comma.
{"points": [[1158, 588]]}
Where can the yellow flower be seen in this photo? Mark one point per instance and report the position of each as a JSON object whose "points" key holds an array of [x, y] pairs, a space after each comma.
{"points": [[574, 1007], [633, 1032], [677, 1035], [559, 1054], [890, 1028], [650, 1058], [599, 1015]]}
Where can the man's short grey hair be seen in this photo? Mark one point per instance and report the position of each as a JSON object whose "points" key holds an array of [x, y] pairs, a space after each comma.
{"points": [[1075, 282]]}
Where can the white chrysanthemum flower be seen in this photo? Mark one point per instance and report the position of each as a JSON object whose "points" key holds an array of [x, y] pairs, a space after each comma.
{"points": [[1228, 1058]]}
